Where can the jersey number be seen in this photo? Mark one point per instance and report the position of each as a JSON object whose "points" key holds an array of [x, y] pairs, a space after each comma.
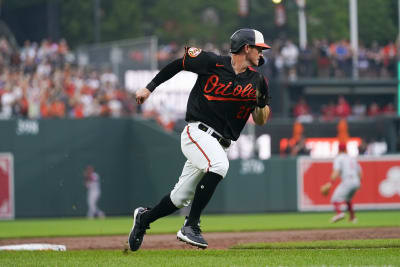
{"points": [[243, 113]]}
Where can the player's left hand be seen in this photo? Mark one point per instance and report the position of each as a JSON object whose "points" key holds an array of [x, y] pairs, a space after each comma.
{"points": [[142, 95], [262, 99], [325, 188], [262, 92]]}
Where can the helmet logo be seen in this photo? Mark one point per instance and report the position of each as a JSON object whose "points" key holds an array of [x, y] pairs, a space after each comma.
{"points": [[194, 52]]}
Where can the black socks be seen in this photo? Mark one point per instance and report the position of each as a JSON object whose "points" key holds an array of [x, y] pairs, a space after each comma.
{"points": [[204, 191], [162, 209]]}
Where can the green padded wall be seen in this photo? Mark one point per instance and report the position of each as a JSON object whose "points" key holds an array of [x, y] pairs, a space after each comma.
{"points": [[138, 164]]}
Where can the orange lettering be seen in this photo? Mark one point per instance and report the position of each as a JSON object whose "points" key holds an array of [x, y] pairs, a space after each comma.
{"points": [[252, 93], [219, 89], [222, 89], [213, 81], [246, 90], [237, 90], [245, 94], [226, 88]]}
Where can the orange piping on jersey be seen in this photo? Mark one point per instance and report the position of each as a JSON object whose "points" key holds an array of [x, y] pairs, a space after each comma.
{"points": [[253, 69], [194, 142], [210, 97]]}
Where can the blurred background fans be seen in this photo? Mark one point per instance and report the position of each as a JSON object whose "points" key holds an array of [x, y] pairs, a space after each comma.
{"points": [[77, 59]]}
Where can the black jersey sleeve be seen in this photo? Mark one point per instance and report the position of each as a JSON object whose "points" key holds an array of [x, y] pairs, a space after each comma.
{"points": [[198, 61], [263, 98], [165, 74]]}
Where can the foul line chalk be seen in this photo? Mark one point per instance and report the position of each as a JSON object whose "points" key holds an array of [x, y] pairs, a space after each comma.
{"points": [[35, 247]]}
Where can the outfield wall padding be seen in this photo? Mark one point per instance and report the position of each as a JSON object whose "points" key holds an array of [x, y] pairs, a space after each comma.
{"points": [[138, 164]]}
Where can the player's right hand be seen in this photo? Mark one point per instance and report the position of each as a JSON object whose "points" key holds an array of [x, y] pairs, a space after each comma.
{"points": [[142, 95]]}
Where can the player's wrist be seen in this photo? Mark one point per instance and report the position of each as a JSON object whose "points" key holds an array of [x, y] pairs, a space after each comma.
{"points": [[261, 102], [151, 86], [261, 106]]}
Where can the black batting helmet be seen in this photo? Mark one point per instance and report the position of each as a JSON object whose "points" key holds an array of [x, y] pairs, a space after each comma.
{"points": [[247, 36]]}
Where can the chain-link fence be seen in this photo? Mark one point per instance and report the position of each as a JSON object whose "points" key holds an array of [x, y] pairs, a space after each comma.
{"points": [[120, 56]]}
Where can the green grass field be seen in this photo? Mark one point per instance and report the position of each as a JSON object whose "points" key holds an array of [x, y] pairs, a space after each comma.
{"points": [[210, 223], [381, 252], [232, 258]]}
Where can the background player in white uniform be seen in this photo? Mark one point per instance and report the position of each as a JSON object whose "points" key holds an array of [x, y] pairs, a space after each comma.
{"points": [[227, 91], [348, 169], [92, 183]]}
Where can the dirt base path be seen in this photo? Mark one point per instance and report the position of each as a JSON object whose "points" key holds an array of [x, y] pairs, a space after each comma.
{"points": [[215, 240]]}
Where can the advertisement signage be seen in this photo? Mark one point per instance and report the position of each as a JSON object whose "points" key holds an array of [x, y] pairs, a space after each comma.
{"points": [[380, 183], [325, 147], [6, 186]]}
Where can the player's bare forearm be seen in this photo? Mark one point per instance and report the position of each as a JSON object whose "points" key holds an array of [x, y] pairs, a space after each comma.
{"points": [[260, 115], [334, 175], [142, 95]]}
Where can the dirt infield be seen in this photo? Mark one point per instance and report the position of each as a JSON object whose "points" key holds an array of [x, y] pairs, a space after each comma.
{"points": [[215, 240]]}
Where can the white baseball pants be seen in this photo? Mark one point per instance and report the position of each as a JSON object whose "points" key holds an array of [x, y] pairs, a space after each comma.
{"points": [[204, 154], [93, 196], [345, 191]]}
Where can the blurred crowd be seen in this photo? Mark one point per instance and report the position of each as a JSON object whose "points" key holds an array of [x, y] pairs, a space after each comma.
{"points": [[42, 81], [341, 108], [319, 59], [325, 60]]}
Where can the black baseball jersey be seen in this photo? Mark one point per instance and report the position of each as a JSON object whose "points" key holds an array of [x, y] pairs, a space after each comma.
{"points": [[220, 98]]}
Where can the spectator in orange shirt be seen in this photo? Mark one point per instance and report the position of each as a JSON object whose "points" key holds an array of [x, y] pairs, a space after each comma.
{"points": [[44, 109], [78, 111], [389, 59], [57, 109], [343, 131]]}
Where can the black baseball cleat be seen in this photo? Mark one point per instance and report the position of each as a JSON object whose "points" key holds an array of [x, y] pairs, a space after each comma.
{"points": [[138, 229], [192, 235]]}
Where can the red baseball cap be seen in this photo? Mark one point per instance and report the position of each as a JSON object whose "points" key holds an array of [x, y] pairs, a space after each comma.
{"points": [[342, 147]]}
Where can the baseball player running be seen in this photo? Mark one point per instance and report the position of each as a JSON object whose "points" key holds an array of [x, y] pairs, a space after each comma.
{"points": [[228, 89], [350, 172], [92, 183]]}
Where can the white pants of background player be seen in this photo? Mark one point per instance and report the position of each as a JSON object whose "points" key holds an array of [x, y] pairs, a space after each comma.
{"points": [[204, 154], [93, 196], [345, 190]]}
